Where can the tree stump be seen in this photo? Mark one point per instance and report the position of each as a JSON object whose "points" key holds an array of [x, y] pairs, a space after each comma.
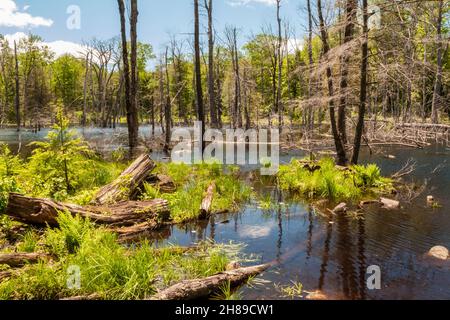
{"points": [[128, 184]]}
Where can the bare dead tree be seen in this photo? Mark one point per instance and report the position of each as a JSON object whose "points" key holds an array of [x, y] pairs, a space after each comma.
{"points": [[363, 90], [340, 149], [198, 73]]}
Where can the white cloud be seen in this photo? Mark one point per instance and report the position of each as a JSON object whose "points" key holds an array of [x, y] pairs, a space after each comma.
{"points": [[236, 3], [10, 16], [60, 47]]}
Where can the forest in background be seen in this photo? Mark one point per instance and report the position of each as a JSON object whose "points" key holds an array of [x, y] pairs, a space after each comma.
{"points": [[348, 69]]}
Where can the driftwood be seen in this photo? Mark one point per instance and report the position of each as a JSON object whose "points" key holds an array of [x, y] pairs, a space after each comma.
{"points": [[15, 260], [45, 212], [203, 288], [127, 185], [150, 229], [205, 209], [164, 183]]}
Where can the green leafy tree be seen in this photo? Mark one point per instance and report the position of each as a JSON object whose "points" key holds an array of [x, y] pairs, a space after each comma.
{"points": [[55, 162]]}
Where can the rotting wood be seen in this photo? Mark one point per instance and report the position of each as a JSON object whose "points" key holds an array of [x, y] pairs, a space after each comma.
{"points": [[16, 260], [5, 275], [205, 209], [203, 288], [164, 183], [127, 185], [41, 212]]}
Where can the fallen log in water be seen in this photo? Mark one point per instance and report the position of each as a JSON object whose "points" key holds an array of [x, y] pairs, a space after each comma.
{"points": [[45, 212], [127, 185], [205, 209], [203, 288], [15, 260]]}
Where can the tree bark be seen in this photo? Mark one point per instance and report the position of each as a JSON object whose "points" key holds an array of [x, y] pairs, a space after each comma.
{"points": [[345, 60], [340, 149], [280, 69], [17, 89], [127, 185], [130, 77], [198, 75], [168, 107], [363, 90], [204, 288], [42, 212], [16, 260], [205, 209], [211, 76], [134, 114], [438, 82]]}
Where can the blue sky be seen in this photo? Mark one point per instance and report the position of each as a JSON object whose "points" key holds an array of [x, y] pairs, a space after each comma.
{"points": [[157, 21]]}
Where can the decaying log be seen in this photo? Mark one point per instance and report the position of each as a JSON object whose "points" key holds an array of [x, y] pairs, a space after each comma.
{"points": [[92, 297], [205, 209], [45, 212], [127, 185], [135, 233], [203, 288], [5, 275], [164, 183], [16, 260]]}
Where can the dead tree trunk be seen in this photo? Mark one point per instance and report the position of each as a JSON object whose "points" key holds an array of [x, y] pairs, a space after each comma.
{"points": [[345, 60], [17, 89], [16, 260], [203, 288], [43, 212], [198, 75], [127, 185], [280, 70], [438, 82], [205, 209], [363, 91], [211, 81], [340, 149]]}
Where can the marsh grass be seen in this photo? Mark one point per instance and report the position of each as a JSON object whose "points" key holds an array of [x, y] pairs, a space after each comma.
{"points": [[332, 183], [295, 290], [108, 268], [192, 183]]}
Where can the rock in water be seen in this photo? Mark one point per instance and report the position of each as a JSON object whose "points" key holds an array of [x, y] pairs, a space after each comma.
{"points": [[439, 252], [341, 208], [390, 204]]}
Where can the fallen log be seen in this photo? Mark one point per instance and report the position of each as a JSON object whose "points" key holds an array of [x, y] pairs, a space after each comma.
{"points": [[164, 183], [15, 260], [203, 288], [43, 212], [205, 209], [127, 185], [5, 275]]}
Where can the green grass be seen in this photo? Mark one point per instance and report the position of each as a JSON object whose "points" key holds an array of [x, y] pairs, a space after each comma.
{"points": [[330, 182], [108, 268], [192, 183]]}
